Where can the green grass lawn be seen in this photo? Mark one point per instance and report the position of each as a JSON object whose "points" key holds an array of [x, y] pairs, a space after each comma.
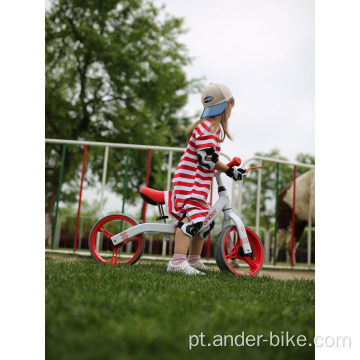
{"points": [[94, 311]]}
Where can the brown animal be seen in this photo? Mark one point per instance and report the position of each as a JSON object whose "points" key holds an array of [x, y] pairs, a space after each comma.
{"points": [[305, 198]]}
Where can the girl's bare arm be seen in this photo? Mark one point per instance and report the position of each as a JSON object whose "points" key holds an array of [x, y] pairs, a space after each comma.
{"points": [[219, 166]]}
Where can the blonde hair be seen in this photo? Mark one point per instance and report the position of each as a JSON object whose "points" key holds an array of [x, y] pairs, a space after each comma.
{"points": [[216, 121]]}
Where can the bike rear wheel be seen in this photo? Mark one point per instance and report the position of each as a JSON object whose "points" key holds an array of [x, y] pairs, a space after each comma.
{"points": [[229, 254], [101, 248]]}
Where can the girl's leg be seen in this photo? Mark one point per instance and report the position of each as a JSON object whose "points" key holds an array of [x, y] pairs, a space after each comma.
{"points": [[182, 241], [196, 245], [181, 248]]}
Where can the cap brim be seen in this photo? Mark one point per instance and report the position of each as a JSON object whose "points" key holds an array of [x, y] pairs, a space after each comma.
{"points": [[214, 110]]}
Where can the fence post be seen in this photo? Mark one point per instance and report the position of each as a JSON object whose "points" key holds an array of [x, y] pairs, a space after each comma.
{"points": [[79, 206], [309, 222], [106, 155], [276, 209], [58, 194], [125, 179], [169, 171], [258, 199], [147, 182], [208, 244], [293, 221]]}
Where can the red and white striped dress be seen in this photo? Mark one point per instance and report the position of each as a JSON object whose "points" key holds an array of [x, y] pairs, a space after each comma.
{"points": [[192, 181]]}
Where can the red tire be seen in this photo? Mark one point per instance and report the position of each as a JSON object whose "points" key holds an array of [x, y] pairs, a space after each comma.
{"points": [[101, 247], [229, 254]]}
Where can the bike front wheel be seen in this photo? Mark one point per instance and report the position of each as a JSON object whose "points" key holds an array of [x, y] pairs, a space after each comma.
{"points": [[100, 245], [229, 254]]}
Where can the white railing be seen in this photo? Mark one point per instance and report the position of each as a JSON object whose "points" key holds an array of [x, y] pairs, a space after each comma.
{"points": [[266, 235], [124, 146], [236, 191], [260, 160]]}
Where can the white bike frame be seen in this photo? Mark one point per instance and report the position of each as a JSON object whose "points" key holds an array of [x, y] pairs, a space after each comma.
{"points": [[222, 204]]}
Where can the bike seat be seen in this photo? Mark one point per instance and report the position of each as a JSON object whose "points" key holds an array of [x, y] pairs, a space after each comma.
{"points": [[152, 196]]}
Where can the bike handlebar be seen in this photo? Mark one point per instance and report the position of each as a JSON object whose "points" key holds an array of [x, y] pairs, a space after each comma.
{"points": [[236, 161], [254, 167]]}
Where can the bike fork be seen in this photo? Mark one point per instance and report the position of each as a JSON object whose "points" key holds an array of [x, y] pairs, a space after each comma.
{"points": [[240, 229]]}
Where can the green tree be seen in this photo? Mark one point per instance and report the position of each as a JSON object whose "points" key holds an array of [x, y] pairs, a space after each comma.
{"points": [[268, 186], [114, 73]]}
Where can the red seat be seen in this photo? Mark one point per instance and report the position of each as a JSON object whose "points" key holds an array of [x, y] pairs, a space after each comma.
{"points": [[152, 196]]}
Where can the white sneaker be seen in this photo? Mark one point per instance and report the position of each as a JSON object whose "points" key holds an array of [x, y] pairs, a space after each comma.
{"points": [[185, 268], [199, 265]]}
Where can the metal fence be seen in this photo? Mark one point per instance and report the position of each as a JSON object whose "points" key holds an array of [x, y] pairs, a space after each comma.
{"points": [[236, 191], [261, 160]]}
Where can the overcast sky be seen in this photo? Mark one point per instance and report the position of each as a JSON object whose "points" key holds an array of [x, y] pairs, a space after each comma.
{"points": [[264, 51]]}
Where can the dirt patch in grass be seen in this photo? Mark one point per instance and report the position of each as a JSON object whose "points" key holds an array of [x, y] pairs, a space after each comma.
{"points": [[283, 274], [288, 274], [61, 257]]}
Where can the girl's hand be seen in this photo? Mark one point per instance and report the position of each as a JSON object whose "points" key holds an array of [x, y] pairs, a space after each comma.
{"points": [[236, 174]]}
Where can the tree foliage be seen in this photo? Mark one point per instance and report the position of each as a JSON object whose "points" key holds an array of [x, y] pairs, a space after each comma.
{"points": [[268, 186], [114, 73]]}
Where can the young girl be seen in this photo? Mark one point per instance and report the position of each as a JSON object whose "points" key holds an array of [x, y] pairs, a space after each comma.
{"points": [[187, 203]]}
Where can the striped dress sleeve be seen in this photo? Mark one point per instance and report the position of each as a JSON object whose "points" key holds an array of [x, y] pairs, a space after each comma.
{"points": [[204, 139]]}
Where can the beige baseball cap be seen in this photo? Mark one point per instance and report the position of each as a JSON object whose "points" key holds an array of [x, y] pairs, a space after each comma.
{"points": [[214, 99]]}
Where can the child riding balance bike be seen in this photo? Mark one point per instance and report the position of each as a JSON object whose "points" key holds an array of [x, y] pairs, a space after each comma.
{"points": [[119, 239]]}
